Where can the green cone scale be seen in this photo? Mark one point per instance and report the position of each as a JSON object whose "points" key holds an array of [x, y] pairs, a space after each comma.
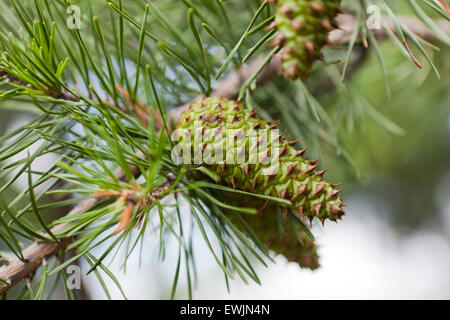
{"points": [[303, 27], [295, 178]]}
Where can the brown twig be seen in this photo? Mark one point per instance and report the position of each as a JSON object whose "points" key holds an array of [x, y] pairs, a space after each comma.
{"points": [[17, 270]]}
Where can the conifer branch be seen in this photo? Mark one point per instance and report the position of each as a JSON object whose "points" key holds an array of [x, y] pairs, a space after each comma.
{"points": [[17, 270], [57, 95], [230, 86]]}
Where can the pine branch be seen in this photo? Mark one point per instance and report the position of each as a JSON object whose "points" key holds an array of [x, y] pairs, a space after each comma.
{"points": [[35, 254], [17, 270], [57, 95], [230, 86]]}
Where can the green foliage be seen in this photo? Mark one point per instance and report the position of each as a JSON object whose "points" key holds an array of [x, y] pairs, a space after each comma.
{"points": [[100, 98]]}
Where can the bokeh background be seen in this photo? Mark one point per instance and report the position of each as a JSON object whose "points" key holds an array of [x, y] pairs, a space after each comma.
{"points": [[394, 242]]}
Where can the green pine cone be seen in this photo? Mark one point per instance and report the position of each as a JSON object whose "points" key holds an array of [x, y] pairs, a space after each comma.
{"points": [[304, 26], [287, 175]]}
